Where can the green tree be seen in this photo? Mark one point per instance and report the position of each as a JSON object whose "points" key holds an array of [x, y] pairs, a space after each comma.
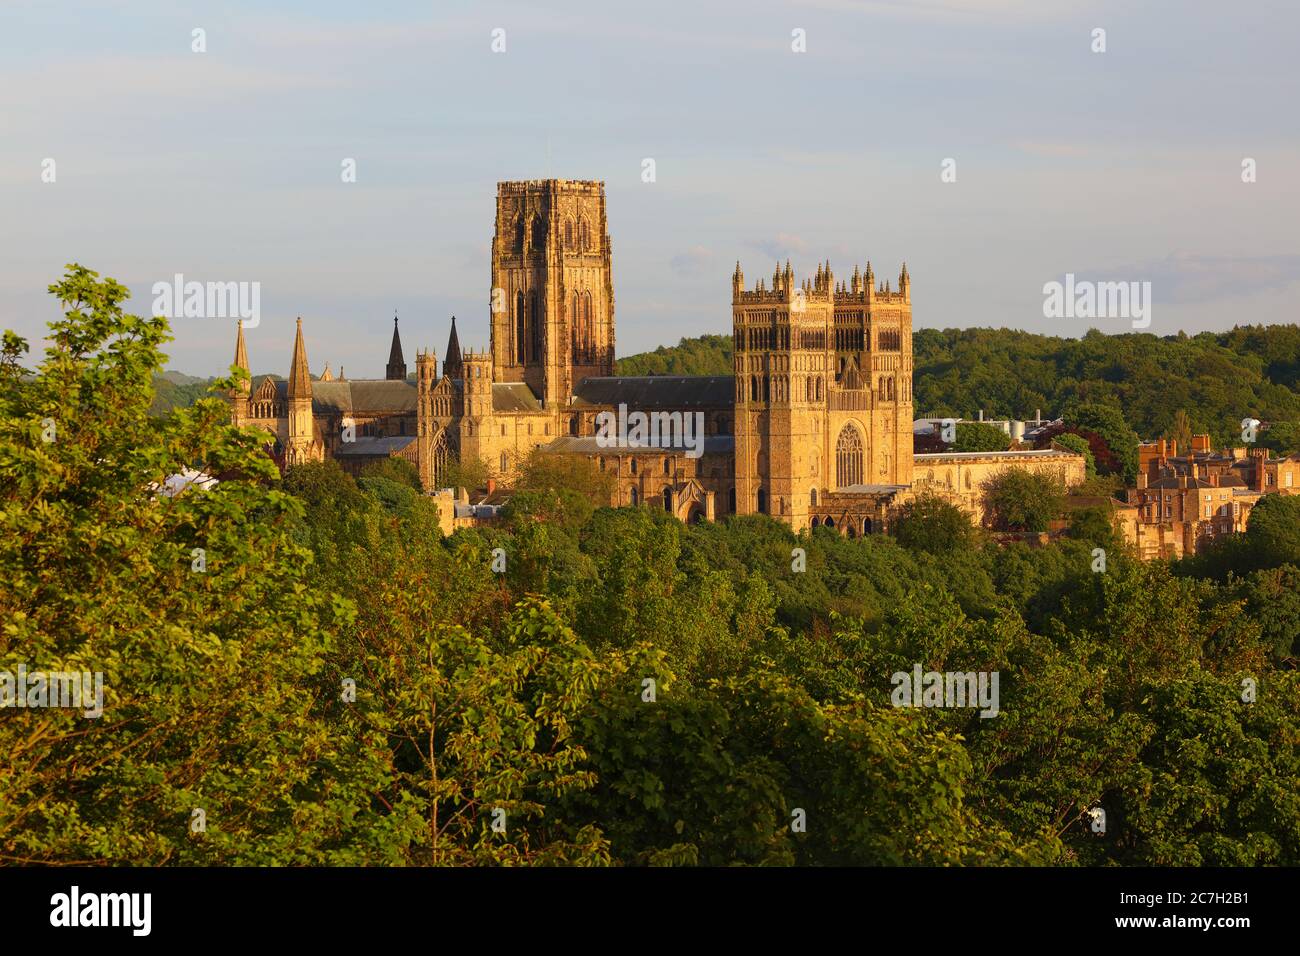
{"points": [[1273, 530], [1019, 500], [980, 436], [1181, 432], [1283, 438], [194, 607], [1107, 422], [929, 523], [1079, 445], [398, 470]]}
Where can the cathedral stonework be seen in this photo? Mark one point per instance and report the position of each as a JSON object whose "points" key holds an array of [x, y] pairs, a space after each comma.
{"points": [[814, 427]]}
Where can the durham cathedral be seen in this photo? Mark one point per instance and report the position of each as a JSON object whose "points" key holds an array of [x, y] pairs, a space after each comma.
{"points": [[814, 427]]}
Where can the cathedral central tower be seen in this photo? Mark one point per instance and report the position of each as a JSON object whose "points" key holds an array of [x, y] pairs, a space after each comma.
{"points": [[552, 296]]}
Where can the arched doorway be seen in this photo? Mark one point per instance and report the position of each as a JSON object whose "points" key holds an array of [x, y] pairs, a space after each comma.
{"points": [[668, 500]]}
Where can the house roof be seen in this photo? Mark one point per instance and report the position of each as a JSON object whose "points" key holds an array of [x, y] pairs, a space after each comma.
{"points": [[514, 397], [370, 447], [568, 445], [939, 457], [358, 395], [642, 392]]}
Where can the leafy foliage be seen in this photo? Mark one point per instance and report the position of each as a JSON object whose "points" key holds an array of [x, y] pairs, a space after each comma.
{"points": [[344, 685]]}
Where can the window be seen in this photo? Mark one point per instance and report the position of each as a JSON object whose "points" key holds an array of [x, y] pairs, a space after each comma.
{"points": [[631, 496], [519, 328], [762, 501], [848, 458], [812, 498], [503, 429], [668, 500], [632, 465], [503, 461], [568, 234], [668, 466]]}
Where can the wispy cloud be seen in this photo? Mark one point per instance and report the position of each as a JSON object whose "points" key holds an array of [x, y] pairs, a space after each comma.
{"points": [[1189, 278], [783, 245], [695, 261]]}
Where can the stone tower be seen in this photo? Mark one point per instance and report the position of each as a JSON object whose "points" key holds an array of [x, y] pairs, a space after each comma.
{"points": [[426, 380], [396, 371], [476, 439], [552, 297], [302, 445], [823, 389]]}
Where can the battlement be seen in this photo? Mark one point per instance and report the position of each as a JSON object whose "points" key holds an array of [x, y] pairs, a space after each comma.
{"points": [[820, 288], [525, 186]]}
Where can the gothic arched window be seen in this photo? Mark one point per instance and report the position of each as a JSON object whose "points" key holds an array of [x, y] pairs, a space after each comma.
{"points": [[848, 457], [519, 328], [568, 234], [534, 328]]}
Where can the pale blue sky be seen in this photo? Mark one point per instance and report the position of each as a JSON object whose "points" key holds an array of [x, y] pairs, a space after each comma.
{"points": [[225, 165]]}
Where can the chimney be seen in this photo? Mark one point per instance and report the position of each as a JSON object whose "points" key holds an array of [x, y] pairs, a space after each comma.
{"points": [[981, 418], [491, 485]]}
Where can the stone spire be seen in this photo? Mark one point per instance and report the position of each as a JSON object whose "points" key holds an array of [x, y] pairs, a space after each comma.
{"points": [[396, 364], [451, 365], [239, 395], [299, 376], [241, 359], [327, 375]]}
